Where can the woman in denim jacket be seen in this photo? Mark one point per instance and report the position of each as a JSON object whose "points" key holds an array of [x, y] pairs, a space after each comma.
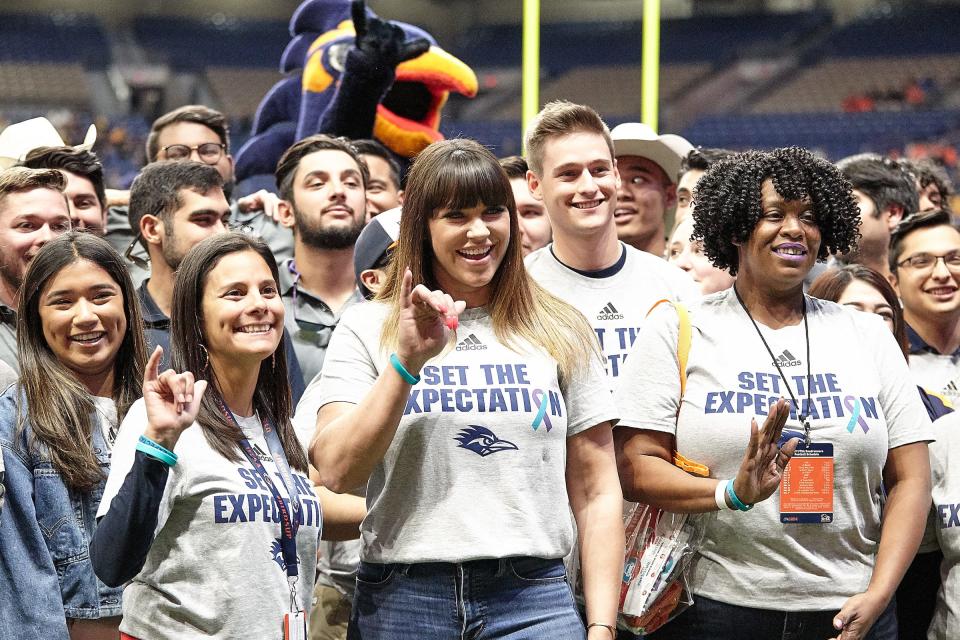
{"points": [[81, 354]]}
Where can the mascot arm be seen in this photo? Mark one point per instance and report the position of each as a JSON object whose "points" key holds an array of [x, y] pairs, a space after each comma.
{"points": [[369, 71]]}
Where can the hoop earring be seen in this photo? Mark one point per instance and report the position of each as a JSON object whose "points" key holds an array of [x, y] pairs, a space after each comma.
{"points": [[206, 358]]}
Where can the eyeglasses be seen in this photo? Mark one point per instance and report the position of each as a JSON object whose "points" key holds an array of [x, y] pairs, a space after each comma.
{"points": [[209, 152], [926, 261], [133, 257]]}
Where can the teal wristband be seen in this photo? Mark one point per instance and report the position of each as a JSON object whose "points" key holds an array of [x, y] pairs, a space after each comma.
{"points": [[735, 500], [406, 375], [156, 451]]}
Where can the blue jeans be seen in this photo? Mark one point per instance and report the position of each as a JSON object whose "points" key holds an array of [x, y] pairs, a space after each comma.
{"points": [[509, 598], [720, 621]]}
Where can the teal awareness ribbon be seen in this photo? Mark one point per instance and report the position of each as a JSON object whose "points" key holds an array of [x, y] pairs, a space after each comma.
{"points": [[855, 418], [540, 397]]}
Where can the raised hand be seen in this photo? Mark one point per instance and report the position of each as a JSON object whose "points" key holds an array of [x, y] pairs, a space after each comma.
{"points": [[381, 41], [427, 319], [763, 463], [172, 400], [261, 200]]}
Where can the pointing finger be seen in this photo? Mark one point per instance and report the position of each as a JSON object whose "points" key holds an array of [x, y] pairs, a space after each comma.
{"points": [[406, 284], [358, 11], [153, 365]]}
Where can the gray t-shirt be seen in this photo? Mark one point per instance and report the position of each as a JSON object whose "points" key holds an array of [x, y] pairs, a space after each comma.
{"points": [[752, 559], [944, 462], [214, 568], [477, 466], [617, 301]]}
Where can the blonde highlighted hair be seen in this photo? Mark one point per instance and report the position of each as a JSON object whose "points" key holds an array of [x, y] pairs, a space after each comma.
{"points": [[460, 174]]}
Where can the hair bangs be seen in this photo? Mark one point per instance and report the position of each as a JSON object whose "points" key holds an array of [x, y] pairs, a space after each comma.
{"points": [[468, 180]]}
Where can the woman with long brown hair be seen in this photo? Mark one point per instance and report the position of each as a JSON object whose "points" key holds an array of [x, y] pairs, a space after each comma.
{"points": [[81, 355], [212, 512], [474, 407]]}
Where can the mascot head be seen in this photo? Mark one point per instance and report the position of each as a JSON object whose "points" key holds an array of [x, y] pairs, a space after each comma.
{"points": [[407, 117]]}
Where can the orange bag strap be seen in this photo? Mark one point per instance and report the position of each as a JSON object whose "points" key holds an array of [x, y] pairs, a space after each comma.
{"points": [[683, 353], [683, 340]]}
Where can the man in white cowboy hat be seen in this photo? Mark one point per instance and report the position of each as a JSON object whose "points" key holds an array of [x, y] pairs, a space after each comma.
{"points": [[19, 139], [36, 144], [648, 164]]}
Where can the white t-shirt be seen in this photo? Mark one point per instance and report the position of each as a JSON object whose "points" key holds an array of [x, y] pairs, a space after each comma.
{"points": [[214, 568], [107, 413], [616, 305], [472, 472], [944, 462], [938, 373], [752, 559]]}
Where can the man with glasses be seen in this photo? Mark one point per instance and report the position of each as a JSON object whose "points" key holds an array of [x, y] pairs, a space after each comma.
{"points": [[925, 261], [173, 207], [322, 184], [200, 134]]}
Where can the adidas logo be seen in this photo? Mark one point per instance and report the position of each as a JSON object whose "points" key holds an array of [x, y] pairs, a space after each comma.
{"points": [[471, 343], [609, 312], [786, 359], [263, 455]]}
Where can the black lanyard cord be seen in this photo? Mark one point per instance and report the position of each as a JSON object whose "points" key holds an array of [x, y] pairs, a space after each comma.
{"points": [[803, 415]]}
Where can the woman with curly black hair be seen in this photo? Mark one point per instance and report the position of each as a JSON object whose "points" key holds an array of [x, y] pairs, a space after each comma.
{"points": [[813, 560]]}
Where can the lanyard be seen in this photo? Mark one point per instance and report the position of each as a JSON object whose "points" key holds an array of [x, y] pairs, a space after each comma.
{"points": [[803, 415], [289, 521]]}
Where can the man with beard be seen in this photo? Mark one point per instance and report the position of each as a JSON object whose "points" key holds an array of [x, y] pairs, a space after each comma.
{"points": [[173, 207], [33, 211], [322, 184]]}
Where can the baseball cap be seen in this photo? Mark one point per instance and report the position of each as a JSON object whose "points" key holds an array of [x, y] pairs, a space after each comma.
{"points": [[638, 139], [20, 138], [376, 239]]}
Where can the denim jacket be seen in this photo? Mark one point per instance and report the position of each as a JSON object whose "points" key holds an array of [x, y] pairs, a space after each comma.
{"points": [[45, 529]]}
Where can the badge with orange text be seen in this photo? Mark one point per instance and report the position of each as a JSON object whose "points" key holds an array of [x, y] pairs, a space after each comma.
{"points": [[806, 488], [295, 626]]}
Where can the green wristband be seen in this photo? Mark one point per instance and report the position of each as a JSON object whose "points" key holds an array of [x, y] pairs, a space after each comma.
{"points": [[156, 451], [735, 500], [406, 375]]}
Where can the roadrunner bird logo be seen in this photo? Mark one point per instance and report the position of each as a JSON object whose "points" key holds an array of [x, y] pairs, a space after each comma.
{"points": [[482, 441], [277, 553]]}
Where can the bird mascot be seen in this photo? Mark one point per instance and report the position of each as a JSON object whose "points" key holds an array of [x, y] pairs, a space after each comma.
{"points": [[350, 73]]}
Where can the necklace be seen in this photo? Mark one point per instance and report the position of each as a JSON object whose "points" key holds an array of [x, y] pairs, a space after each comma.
{"points": [[803, 415]]}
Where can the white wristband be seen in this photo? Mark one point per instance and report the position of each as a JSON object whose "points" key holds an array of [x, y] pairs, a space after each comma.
{"points": [[720, 495]]}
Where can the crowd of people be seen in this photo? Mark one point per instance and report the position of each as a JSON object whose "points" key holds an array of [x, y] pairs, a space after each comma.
{"points": [[375, 405]]}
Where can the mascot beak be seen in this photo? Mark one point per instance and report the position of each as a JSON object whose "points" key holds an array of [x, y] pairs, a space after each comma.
{"points": [[408, 118]]}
